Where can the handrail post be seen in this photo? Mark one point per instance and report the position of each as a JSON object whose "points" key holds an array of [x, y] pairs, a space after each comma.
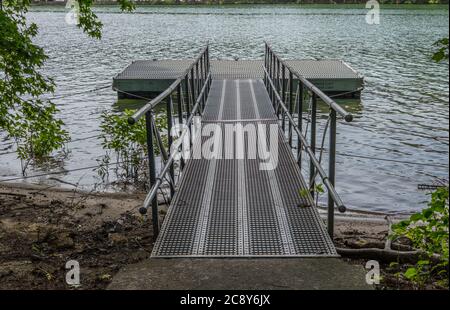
{"points": [[208, 66], [291, 103], [205, 63], [199, 73], [206, 79], [180, 114], [273, 79], [265, 64], [270, 76], [283, 95], [207, 59], [278, 76], [202, 81], [205, 76], [170, 141], [269, 67], [204, 96], [189, 96], [152, 170], [192, 85], [269, 73], [312, 173], [205, 69], [193, 104], [300, 122], [196, 81], [331, 171]]}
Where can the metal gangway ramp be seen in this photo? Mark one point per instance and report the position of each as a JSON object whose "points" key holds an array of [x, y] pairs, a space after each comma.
{"points": [[236, 202]]}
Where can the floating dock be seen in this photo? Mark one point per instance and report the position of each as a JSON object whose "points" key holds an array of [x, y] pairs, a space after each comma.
{"points": [[148, 78], [241, 192]]}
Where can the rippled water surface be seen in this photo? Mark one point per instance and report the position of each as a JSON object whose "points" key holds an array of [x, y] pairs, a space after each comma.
{"points": [[403, 114]]}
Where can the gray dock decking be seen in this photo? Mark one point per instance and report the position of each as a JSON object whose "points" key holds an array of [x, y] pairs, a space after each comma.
{"points": [[151, 77]]}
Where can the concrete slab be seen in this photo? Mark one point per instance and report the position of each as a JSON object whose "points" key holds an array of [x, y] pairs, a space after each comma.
{"points": [[241, 274]]}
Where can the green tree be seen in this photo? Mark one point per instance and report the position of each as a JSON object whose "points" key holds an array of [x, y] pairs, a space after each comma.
{"points": [[24, 115]]}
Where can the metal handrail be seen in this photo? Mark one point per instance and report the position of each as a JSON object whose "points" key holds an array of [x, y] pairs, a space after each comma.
{"points": [[153, 191], [154, 102], [281, 93], [308, 149], [330, 102], [195, 83]]}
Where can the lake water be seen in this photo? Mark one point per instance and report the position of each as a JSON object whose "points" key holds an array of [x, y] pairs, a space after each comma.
{"points": [[403, 113]]}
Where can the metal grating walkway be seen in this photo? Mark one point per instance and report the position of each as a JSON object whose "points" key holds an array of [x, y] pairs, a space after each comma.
{"points": [[240, 69], [229, 206]]}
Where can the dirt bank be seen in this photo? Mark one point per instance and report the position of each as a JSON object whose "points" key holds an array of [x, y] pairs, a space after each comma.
{"points": [[43, 228]]}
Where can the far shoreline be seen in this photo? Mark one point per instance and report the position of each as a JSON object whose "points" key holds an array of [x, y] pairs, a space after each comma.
{"points": [[362, 5]]}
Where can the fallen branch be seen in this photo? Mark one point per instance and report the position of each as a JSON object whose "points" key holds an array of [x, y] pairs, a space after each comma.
{"points": [[388, 255], [382, 255], [377, 245], [12, 194], [387, 252]]}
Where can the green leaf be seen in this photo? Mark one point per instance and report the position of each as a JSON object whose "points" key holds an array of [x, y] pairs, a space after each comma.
{"points": [[411, 273], [416, 217], [423, 262], [393, 264], [319, 188], [303, 193], [427, 213]]}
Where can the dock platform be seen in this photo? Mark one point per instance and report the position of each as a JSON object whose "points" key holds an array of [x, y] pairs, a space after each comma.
{"points": [[148, 78]]}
